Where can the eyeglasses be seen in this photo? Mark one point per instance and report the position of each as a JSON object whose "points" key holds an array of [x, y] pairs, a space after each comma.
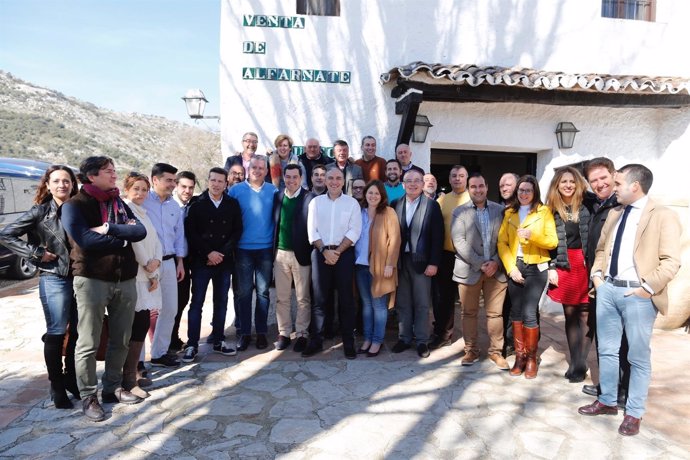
{"points": [[523, 191], [358, 187], [250, 141], [413, 181]]}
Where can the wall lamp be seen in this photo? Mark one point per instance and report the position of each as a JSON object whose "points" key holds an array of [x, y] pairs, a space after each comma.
{"points": [[196, 103], [565, 134], [421, 128]]}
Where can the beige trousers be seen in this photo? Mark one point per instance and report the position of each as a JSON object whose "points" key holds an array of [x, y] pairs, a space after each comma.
{"points": [[286, 270], [494, 293]]}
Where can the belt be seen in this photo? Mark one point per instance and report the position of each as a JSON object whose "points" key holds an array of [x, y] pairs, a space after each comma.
{"points": [[169, 256], [623, 283], [331, 247]]}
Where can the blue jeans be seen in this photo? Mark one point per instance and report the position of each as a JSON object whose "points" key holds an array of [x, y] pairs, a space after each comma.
{"points": [[201, 276], [59, 305], [635, 315], [374, 309], [254, 267]]}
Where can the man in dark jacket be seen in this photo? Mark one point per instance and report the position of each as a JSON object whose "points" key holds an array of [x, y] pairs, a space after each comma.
{"points": [[101, 229], [292, 252], [599, 173], [421, 231], [213, 226]]}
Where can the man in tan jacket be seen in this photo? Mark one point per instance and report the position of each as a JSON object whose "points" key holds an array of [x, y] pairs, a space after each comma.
{"points": [[637, 256]]}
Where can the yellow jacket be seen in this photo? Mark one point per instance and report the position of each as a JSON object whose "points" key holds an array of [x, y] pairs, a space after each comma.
{"points": [[535, 250]]}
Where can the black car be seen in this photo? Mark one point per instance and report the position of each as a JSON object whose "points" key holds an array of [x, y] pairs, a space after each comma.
{"points": [[18, 183]]}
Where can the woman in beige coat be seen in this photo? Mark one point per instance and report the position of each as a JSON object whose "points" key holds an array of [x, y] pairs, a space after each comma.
{"points": [[376, 261]]}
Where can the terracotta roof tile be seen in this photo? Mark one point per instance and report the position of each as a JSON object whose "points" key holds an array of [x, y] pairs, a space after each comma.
{"points": [[472, 75]]}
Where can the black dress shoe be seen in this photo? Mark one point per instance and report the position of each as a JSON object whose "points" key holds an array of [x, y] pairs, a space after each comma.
{"points": [[592, 390], [281, 344], [438, 342], [261, 341], [400, 346], [243, 342], [92, 409], [313, 347], [122, 396], [300, 345], [423, 350], [362, 351], [349, 351]]}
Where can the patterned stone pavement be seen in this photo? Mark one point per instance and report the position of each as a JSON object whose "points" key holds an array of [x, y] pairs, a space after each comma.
{"points": [[273, 404]]}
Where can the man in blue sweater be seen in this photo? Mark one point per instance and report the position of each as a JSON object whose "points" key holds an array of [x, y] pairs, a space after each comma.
{"points": [[254, 257]]}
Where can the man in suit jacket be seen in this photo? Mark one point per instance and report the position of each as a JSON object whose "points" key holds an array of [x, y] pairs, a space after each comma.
{"points": [[421, 229], [351, 171], [637, 256], [292, 252], [478, 269]]}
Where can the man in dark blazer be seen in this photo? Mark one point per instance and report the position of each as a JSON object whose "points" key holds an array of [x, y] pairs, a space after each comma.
{"points": [[292, 252], [478, 270], [421, 228], [213, 226]]}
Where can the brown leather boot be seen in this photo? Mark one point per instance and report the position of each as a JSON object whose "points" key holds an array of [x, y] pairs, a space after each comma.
{"points": [[129, 370], [531, 335], [520, 352]]}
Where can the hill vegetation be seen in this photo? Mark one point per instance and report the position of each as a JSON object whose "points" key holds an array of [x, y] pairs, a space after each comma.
{"points": [[43, 124]]}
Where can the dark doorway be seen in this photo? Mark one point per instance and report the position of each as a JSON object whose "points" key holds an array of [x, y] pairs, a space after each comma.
{"points": [[492, 165]]}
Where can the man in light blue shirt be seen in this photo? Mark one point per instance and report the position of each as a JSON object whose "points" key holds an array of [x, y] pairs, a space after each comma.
{"points": [[168, 219], [254, 257]]}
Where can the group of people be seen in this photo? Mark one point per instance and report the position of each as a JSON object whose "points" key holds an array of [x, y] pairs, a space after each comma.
{"points": [[372, 232]]}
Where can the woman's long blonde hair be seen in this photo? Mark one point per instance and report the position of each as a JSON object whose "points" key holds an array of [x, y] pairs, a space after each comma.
{"points": [[554, 200]]}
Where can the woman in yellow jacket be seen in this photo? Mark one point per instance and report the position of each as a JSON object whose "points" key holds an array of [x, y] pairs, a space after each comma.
{"points": [[527, 234]]}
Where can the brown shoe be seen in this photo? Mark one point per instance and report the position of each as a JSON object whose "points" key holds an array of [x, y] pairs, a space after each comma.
{"points": [[469, 358], [597, 408], [630, 426], [500, 361], [92, 409]]}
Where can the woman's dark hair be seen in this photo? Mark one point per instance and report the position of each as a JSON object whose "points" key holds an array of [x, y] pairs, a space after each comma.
{"points": [[383, 204], [43, 194], [536, 196]]}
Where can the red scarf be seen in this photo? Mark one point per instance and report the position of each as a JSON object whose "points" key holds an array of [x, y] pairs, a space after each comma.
{"points": [[111, 210]]}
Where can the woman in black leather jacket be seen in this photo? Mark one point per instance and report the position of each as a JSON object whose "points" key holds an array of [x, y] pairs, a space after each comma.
{"points": [[46, 247]]}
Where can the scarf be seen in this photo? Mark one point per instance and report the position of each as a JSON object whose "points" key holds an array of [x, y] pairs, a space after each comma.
{"points": [[276, 167], [112, 207]]}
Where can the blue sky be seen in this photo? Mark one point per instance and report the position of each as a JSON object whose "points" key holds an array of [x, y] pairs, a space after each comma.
{"points": [[125, 55]]}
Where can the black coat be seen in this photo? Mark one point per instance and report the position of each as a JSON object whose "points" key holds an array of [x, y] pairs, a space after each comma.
{"points": [[300, 239], [430, 242], [43, 229], [596, 223], [208, 229], [559, 256]]}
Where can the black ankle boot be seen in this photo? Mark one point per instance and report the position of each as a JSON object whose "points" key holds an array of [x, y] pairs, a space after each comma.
{"points": [[52, 353]]}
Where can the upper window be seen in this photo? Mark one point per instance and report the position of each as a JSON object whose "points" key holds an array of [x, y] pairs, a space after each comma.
{"points": [[319, 7], [641, 10]]}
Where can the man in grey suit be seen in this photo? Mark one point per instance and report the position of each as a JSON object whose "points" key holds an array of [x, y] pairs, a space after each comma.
{"points": [[474, 231]]}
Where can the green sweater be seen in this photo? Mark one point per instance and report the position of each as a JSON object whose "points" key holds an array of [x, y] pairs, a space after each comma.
{"points": [[287, 212]]}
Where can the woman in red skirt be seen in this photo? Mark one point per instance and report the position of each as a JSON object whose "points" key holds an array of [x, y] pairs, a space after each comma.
{"points": [[568, 273]]}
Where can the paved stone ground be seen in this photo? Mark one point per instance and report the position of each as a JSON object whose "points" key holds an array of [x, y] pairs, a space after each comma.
{"points": [[278, 405]]}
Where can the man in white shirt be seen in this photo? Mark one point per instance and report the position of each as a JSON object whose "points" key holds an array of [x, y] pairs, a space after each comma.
{"points": [[637, 256], [334, 226]]}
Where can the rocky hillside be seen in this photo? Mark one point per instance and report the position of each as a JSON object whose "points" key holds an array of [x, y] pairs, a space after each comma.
{"points": [[46, 125]]}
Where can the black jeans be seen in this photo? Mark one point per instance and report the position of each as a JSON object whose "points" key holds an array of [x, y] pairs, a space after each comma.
{"points": [[325, 278], [444, 298], [525, 297]]}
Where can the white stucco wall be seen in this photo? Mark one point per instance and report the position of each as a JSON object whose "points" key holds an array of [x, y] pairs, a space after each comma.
{"points": [[371, 37]]}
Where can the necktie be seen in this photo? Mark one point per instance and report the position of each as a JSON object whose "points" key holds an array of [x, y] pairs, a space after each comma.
{"points": [[613, 269]]}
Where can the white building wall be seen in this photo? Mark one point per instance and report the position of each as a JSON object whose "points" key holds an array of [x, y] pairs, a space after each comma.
{"points": [[371, 37]]}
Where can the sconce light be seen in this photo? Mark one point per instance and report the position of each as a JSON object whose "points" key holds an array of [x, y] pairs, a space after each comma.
{"points": [[196, 103], [565, 134], [421, 128]]}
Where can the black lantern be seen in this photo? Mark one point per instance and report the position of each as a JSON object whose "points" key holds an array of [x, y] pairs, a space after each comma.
{"points": [[565, 134], [421, 128]]}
